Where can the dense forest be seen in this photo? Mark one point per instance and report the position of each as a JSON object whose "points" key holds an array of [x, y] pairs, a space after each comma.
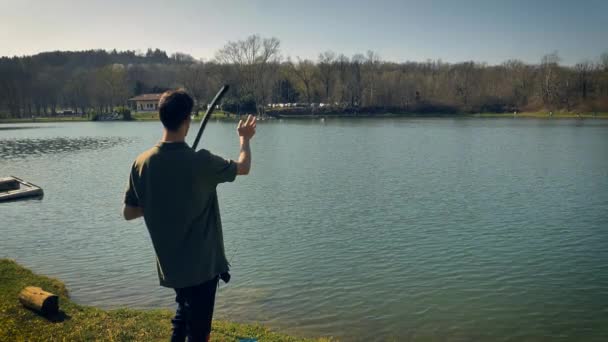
{"points": [[98, 81]]}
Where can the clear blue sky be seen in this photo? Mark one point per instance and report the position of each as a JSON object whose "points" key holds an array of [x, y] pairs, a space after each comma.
{"points": [[452, 30]]}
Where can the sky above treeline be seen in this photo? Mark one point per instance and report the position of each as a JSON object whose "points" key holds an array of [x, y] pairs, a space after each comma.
{"points": [[489, 31]]}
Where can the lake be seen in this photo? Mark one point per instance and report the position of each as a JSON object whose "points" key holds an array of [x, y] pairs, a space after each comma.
{"points": [[362, 229]]}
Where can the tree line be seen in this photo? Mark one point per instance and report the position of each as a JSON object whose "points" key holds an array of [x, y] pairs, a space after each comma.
{"points": [[262, 80]]}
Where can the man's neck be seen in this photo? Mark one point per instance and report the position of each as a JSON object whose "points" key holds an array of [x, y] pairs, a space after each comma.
{"points": [[169, 136]]}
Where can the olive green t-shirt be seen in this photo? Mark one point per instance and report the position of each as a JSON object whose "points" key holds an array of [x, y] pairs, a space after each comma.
{"points": [[176, 187]]}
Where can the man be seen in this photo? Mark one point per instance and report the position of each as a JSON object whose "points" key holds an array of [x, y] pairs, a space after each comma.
{"points": [[174, 188]]}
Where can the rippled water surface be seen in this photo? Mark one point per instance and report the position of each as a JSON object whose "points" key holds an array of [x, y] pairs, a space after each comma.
{"points": [[364, 229]]}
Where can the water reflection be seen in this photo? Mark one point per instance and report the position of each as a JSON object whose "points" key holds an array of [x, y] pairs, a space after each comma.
{"points": [[18, 148], [12, 128]]}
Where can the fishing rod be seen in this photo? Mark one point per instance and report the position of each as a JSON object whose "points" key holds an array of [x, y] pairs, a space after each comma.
{"points": [[215, 100], [226, 275]]}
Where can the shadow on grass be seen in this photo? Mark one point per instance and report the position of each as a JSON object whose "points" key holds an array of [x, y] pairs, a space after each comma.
{"points": [[57, 317]]}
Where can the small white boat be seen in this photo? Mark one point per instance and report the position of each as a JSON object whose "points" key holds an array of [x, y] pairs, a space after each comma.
{"points": [[13, 188]]}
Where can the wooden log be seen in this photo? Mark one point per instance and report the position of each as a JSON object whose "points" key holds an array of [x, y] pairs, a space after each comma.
{"points": [[39, 300]]}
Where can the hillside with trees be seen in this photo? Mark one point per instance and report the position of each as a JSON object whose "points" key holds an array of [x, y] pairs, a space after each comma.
{"points": [[98, 81]]}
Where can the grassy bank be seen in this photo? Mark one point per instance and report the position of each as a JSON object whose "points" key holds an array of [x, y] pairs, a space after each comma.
{"points": [[85, 323], [46, 119], [219, 115], [136, 116], [544, 115], [537, 115]]}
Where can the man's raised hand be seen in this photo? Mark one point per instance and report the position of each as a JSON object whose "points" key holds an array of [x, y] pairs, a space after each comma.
{"points": [[246, 129]]}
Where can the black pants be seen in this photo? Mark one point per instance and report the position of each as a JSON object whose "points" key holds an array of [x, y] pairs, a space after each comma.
{"points": [[194, 312]]}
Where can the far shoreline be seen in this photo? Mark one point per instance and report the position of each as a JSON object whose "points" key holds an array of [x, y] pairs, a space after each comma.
{"points": [[235, 117]]}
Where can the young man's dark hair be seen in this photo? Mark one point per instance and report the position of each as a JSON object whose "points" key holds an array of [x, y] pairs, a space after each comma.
{"points": [[174, 188], [174, 107]]}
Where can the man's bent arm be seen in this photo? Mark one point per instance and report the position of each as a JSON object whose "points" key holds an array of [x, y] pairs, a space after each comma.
{"points": [[131, 213], [246, 131], [243, 166]]}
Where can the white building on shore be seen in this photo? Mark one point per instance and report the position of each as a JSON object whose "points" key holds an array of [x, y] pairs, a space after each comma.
{"points": [[144, 102]]}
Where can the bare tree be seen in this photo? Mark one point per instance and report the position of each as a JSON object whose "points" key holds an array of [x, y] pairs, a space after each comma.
{"points": [[371, 67], [356, 80], [110, 87], [584, 72], [326, 72], [76, 93], [252, 58], [549, 78], [604, 61], [464, 80], [520, 81], [195, 78], [604, 75], [305, 73], [342, 65]]}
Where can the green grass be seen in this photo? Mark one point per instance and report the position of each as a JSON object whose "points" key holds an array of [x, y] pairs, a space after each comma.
{"points": [[145, 117], [85, 323], [46, 119], [218, 114], [545, 115]]}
